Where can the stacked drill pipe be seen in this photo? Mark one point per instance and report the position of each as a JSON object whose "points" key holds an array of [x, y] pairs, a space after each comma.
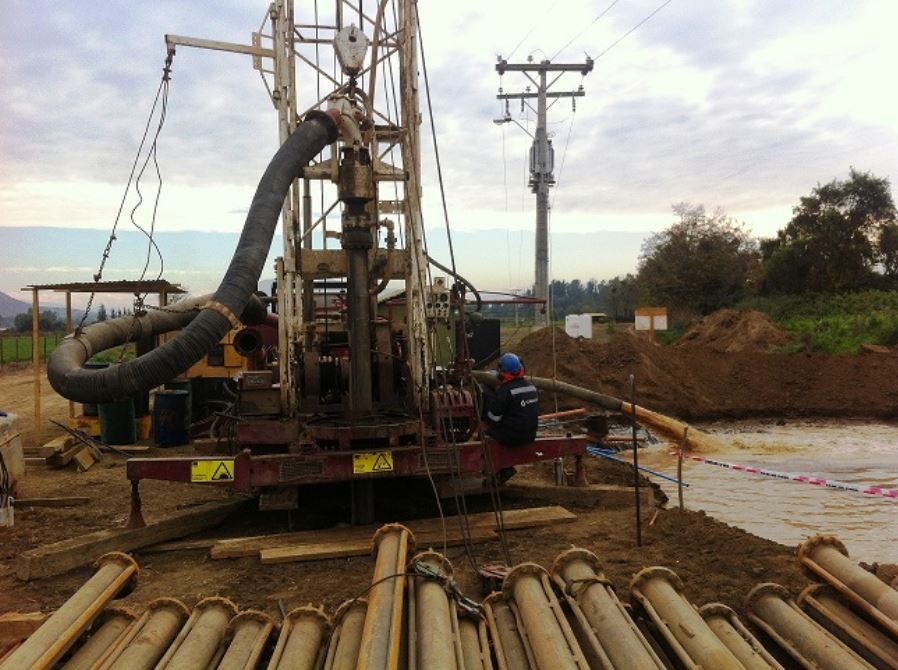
{"points": [[473, 640], [549, 636], [771, 609], [199, 643], [825, 557], [247, 635], [659, 592], [149, 637], [509, 643], [738, 639], [343, 649], [109, 629], [302, 644], [382, 635], [825, 606], [433, 639], [58, 633], [607, 633]]}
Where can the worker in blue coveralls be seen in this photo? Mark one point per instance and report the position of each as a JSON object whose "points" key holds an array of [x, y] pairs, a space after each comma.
{"points": [[511, 410]]}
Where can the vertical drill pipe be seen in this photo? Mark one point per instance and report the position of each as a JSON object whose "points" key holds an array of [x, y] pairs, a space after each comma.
{"points": [[434, 634], [343, 650], [115, 626], [49, 642], [738, 639], [823, 604], [511, 650], [248, 633], [660, 593], [382, 633], [150, 636], [551, 638], [359, 317], [579, 577], [303, 639], [771, 610], [824, 556], [201, 638]]}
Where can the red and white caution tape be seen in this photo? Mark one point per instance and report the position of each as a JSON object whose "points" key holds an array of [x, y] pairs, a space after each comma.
{"points": [[807, 479]]}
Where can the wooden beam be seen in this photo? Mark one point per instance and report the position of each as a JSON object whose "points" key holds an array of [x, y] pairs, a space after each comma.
{"points": [[60, 557], [36, 360], [64, 501], [69, 326], [513, 519], [362, 546]]}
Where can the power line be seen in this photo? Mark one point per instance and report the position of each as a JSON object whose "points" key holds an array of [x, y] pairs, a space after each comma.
{"points": [[582, 32], [537, 23], [633, 29]]}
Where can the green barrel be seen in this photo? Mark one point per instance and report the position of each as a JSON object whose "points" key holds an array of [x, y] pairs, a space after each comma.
{"points": [[117, 425], [170, 424]]}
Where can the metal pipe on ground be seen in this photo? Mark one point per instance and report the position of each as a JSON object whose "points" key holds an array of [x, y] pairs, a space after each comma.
{"points": [[433, 633], [343, 648], [825, 606], [738, 639], [49, 642], [110, 627], [551, 638], [512, 651], [200, 640], [475, 646], [247, 635], [771, 609], [382, 634], [826, 558], [659, 592], [302, 644], [150, 636], [661, 424], [606, 625]]}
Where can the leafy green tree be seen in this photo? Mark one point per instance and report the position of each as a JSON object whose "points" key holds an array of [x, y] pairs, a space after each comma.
{"points": [[701, 263], [101, 313], [49, 321], [842, 237]]}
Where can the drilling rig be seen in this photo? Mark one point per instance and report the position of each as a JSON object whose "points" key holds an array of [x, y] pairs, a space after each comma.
{"points": [[360, 387]]}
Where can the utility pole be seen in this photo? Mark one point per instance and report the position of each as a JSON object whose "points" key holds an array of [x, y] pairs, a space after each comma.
{"points": [[542, 155]]}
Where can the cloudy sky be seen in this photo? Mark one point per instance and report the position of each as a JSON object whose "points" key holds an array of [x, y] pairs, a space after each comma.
{"points": [[743, 104]]}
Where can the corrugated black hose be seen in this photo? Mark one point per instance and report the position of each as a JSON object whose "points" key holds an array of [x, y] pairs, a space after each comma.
{"points": [[204, 329]]}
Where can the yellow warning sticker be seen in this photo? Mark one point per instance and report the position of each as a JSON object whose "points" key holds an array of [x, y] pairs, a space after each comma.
{"points": [[212, 470], [367, 462]]}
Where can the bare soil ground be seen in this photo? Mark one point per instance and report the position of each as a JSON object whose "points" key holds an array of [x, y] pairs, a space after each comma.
{"points": [[693, 383]]}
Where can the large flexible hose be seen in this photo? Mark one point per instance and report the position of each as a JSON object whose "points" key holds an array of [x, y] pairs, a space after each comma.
{"points": [[204, 330]]}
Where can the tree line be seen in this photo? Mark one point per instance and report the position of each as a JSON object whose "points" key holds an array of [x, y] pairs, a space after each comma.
{"points": [[51, 321], [842, 238]]}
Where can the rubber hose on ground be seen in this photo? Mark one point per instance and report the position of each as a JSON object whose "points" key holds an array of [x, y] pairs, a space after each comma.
{"points": [[205, 329]]}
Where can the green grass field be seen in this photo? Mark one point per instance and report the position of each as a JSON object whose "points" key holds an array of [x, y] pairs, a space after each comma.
{"points": [[17, 348]]}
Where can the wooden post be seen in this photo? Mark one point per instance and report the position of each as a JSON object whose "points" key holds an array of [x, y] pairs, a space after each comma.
{"points": [[68, 329], [636, 463], [36, 359], [680, 467]]}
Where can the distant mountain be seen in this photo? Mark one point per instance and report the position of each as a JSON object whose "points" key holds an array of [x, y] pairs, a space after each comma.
{"points": [[10, 307]]}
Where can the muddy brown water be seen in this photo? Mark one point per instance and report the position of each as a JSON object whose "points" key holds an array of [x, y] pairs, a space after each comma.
{"points": [[855, 452]]}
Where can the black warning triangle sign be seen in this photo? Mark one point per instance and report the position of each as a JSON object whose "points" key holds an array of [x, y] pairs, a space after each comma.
{"points": [[222, 472], [382, 463]]}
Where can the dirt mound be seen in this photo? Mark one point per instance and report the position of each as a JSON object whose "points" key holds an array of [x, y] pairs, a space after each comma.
{"points": [[693, 383], [729, 330]]}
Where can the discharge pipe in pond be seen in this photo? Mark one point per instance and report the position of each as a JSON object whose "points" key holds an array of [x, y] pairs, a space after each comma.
{"points": [[202, 329]]}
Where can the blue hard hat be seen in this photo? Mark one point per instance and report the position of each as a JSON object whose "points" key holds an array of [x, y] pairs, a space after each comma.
{"points": [[510, 363]]}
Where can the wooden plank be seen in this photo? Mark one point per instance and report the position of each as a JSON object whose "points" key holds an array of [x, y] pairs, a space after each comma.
{"points": [[84, 460], [362, 547], [72, 501], [60, 557], [63, 458], [178, 545], [516, 518], [132, 448], [15, 626], [604, 495]]}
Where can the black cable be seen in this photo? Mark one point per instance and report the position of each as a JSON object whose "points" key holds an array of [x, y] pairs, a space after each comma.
{"points": [[581, 33], [633, 29]]}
